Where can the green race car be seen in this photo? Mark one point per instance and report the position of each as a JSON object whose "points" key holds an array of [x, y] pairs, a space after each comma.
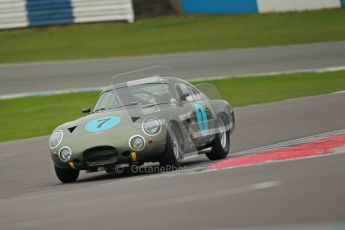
{"points": [[156, 118]]}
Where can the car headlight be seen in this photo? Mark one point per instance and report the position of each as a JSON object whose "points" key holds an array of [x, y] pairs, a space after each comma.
{"points": [[55, 139], [136, 143], [65, 153], [151, 126]]}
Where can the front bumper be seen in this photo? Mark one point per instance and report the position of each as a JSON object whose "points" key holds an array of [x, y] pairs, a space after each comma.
{"points": [[105, 150]]}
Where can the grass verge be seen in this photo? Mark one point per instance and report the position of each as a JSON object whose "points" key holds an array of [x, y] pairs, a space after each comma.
{"points": [[169, 35], [36, 116]]}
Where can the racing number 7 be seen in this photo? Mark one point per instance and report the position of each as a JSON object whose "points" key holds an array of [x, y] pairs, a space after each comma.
{"points": [[102, 122]]}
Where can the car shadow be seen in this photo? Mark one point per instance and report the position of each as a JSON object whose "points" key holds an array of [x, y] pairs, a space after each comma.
{"points": [[144, 170]]}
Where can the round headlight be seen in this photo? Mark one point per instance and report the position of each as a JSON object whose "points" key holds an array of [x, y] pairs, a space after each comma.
{"points": [[151, 126], [55, 139], [137, 143], [65, 153]]}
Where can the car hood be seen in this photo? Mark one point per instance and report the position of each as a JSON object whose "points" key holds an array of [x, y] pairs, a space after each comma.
{"points": [[111, 120]]}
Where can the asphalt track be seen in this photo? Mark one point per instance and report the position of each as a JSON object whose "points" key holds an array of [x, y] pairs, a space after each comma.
{"points": [[301, 194], [22, 78]]}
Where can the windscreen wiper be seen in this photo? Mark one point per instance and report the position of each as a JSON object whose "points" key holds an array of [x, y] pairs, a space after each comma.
{"points": [[100, 109], [132, 103], [161, 103]]}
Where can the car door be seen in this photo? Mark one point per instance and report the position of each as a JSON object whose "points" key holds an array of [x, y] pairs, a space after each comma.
{"points": [[184, 112], [204, 112], [196, 119]]}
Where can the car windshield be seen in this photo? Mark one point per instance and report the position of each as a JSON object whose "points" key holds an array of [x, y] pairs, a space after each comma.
{"points": [[141, 95]]}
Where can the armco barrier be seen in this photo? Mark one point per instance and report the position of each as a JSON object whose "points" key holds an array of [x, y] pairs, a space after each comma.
{"points": [[253, 6], [13, 14], [26, 13], [219, 6]]}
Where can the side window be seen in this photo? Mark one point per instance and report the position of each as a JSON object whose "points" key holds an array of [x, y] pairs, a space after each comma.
{"points": [[107, 100], [195, 93], [183, 92]]}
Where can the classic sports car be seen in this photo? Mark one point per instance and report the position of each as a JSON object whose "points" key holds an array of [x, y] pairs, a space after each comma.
{"points": [[156, 119]]}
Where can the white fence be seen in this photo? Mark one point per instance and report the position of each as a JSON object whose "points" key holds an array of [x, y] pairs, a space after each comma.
{"points": [[266, 6]]}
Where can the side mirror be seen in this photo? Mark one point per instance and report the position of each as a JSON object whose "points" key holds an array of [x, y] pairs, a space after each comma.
{"points": [[86, 110]]}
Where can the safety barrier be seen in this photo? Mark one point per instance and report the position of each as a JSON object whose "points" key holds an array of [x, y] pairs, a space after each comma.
{"points": [[254, 6], [296, 5], [26, 13], [13, 14]]}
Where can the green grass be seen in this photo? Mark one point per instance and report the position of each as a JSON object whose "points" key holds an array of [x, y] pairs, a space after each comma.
{"points": [[35, 116], [257, 90], [170, 34]]}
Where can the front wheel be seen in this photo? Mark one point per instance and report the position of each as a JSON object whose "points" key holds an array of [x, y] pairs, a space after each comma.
{"points": [[221, 143], [67, 175], [172, 155]]}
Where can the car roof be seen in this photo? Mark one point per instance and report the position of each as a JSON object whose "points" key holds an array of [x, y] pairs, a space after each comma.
{"points": [[143, 81]]}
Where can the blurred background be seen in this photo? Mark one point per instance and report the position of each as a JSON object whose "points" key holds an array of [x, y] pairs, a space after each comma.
{"points": [[28, 13], [280, 63]]}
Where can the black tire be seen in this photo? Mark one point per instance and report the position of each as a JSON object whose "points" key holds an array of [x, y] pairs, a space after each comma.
{"points": [[220, 151], [169, 158], [67, 175]]}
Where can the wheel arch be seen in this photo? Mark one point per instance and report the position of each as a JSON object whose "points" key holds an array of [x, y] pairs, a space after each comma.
{"points": [[178, 131]]}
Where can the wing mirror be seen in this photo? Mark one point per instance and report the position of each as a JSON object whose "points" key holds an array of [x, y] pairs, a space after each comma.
{"points": [[86, 110]]}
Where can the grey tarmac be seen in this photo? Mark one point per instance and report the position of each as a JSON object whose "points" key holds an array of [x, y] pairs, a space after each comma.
{"points": [[298, 194]]}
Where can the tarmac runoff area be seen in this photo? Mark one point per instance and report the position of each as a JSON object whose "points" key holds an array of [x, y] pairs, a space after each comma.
{"points": [[306, 192]]}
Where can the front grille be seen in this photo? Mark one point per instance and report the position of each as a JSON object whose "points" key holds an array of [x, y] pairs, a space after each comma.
{"points": [[99, 156]]}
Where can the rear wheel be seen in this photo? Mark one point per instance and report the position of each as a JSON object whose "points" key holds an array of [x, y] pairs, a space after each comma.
{"points": [[221, 143], [67, 175], [172, 155]]}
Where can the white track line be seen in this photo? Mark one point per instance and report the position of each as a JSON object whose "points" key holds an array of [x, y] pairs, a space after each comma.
{"points": [[51, 92]]}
